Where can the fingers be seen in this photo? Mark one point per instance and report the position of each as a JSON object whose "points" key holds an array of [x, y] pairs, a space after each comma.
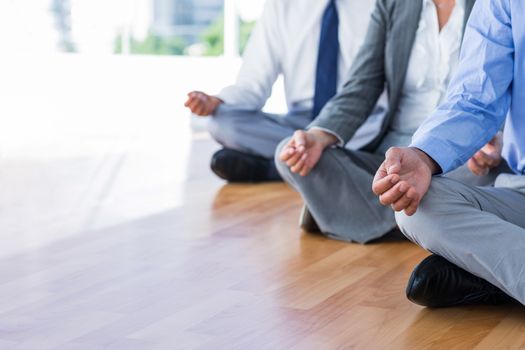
{"points": [[213, 103], [399, 187], [288, 151], [380, 173], [199, 109], [402, 203], [300, 140], [394, 194], [196, 94], [482, 158], [208, 109], [192, 97], [412, 207], [385, 184], [485, 159], [299, 166], [393, 160], [379, 185], [306, 165], [497, 140], [477, 169], [294, 149], [198, 103], [194, 104], [305, 170], [382, 181], [408, 202], [294, 159]]}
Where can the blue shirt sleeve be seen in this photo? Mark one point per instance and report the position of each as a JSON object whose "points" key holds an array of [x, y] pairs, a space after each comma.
{"points": [[479, 94]]}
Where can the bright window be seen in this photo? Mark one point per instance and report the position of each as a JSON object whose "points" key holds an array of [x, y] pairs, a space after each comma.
{"points": [[155, 27]]}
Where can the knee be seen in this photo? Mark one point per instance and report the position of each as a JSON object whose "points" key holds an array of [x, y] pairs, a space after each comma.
{"points": [[223, 128], [216, 127], [424, 227], [410, 226]]}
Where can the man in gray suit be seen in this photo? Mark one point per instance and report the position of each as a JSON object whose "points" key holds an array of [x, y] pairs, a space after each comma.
{"points": [[400, 51]]}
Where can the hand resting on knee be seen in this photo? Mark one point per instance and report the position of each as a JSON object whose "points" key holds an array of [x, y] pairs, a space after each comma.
{"points": [[305, 148]]}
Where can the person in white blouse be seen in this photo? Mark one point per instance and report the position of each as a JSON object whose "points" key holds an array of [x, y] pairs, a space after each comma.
{"points": [[413, 47], [312, 43]]}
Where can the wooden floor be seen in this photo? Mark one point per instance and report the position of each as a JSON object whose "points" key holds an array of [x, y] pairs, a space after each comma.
{"points": [[119, 237], [226, 269]]}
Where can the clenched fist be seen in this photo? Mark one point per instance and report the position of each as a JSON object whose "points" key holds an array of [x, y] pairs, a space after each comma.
{"points": [[202, 104]]}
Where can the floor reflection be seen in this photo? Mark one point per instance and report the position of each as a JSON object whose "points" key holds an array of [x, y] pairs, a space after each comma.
{"points": [[78, 154]]}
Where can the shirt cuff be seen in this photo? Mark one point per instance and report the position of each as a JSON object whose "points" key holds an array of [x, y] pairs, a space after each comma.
{"points": [[225, 97], [443, 153], [340, 142]]}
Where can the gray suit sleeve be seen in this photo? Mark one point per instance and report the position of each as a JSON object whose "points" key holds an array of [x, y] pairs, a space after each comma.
{"points": [[350, 108]]}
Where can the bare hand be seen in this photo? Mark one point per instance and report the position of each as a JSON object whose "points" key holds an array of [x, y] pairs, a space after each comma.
{"points": [[202, 104], [403, 178], [488, 157], [304, 150]]}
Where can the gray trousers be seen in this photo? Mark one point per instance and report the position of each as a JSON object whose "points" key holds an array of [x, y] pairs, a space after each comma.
{"points": [[481, 229], [259, 133], [338, 193], [254, 132]]}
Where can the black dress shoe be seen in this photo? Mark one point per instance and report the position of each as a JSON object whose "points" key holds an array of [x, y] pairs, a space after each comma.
{"points": [[235, 166], [307, 221], [436, 282]]}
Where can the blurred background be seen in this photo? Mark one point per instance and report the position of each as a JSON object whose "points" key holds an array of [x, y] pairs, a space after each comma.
{"points": [[150, 27], [93, 131]]}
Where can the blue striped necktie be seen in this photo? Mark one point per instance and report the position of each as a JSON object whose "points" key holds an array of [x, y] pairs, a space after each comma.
{"points": [[327, 59]]}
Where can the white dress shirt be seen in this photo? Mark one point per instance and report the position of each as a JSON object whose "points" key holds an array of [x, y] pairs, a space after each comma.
{"points": [[433, 59], [285, 41]]}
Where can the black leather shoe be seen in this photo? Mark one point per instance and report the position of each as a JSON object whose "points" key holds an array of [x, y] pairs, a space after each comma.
{"points": [[235, 166], [436, 282], [307, 221]]}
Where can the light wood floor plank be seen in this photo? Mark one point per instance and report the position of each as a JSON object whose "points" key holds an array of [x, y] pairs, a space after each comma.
{"points": [[193, 263]]}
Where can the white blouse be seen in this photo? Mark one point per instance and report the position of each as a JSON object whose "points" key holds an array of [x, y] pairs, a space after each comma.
{"points": [[433, 60]]}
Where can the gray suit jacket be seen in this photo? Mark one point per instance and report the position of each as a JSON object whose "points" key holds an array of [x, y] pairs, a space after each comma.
{"points": [[382, 60]]}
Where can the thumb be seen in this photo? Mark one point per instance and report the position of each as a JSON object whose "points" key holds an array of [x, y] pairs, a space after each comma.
{"points": [[288, 150], [300, 139], [393, 160]]}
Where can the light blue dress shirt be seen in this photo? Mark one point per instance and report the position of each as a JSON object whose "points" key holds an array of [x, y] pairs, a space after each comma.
{"points": [[489, 86]]}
